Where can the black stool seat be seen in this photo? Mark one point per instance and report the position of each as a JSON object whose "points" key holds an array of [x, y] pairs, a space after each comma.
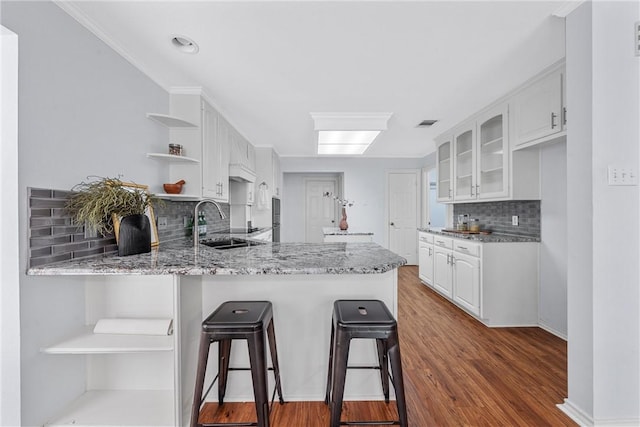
{"points": [[364, 319], [248, 320]]}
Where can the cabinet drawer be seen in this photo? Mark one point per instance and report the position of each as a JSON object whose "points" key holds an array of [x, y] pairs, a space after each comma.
{"points": [[443, 242], [467, 248], [425, 237]]}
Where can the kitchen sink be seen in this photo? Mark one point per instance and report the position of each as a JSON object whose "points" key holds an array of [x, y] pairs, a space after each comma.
{"points": [[222, 244]]}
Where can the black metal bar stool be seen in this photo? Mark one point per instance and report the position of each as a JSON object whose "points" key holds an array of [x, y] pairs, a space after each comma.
{"points": [[234, 320], [364, 319]]}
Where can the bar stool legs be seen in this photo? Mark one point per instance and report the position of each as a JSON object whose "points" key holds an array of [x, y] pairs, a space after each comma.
{"points": [[364, 319], [239, 320]]}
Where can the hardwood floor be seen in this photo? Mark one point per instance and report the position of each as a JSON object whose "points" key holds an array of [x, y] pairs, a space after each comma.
{"points": [[456, 371]]}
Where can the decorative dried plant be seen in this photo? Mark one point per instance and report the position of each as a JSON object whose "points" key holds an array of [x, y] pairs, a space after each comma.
{"points": [[94, 202]]}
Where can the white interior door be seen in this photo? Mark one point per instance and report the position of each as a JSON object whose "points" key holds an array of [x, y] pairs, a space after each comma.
{"points": [[403, 205], [320, 211]]}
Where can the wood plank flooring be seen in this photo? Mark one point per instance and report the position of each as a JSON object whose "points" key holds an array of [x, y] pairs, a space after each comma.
{"points": [[456, 371]]}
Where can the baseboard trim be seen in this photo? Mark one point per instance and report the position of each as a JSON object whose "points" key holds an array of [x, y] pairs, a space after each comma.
{"points": [[575, 413], [553, 331]]}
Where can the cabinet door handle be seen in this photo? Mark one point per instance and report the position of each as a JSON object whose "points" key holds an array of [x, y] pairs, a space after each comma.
{"points": [[553, 120], [447, 258], [429, 251], [463, 248], [449, 193], [564, 115], [477, 190]]}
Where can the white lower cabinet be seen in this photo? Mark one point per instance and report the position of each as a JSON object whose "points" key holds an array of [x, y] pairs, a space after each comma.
{"points": [[442, 272], [466, 282], [425, 258], [497, 282], [129, 379]]}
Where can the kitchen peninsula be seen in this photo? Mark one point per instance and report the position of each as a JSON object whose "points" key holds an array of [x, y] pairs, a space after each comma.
{"points": [[149, 381]]}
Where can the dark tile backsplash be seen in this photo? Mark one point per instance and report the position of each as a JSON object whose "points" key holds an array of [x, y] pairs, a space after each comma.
{"points": [[496, 216], [53, 237]]}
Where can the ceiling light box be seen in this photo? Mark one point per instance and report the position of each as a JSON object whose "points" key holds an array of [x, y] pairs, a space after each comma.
{"points": [[348, 133]]}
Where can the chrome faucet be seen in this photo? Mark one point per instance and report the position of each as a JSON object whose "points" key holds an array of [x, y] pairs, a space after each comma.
{"points": [[196, 237]]}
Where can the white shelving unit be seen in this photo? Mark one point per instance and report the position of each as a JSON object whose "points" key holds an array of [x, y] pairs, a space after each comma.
{"points": [[172, 158], [119, 408], [130, 380], [86, 342], [170, 121]]}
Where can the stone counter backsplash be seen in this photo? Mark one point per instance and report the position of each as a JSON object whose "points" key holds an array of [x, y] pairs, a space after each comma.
{"points": [[496, 216], [53, 237]]}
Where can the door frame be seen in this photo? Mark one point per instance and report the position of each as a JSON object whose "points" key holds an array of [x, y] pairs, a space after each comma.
{"points": [[417, 173]]}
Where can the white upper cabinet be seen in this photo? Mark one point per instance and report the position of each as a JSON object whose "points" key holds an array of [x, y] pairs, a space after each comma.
{"points": [[492, 177], [464, 169], [445, 171], [487, 157], [480, 167], [538, 109], [215, 150]]}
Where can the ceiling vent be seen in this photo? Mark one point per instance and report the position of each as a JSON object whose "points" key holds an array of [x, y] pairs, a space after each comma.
{"points": [[426, 123]]}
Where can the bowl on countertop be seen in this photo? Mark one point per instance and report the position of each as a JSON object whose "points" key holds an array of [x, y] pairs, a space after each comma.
{"points": [[175, 188]]}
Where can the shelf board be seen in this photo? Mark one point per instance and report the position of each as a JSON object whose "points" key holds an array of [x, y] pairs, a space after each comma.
{"points": [[464, 153], [492, 170], [86, 342], [493, 141], [467, 176], [172, 158], [119, 408], [170, 121], [179, 197]]}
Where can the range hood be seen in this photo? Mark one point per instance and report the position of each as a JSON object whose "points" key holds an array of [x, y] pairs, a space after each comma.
{"points": [[241, 173]]}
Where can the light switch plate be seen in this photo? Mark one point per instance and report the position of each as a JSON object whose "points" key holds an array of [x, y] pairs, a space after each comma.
{"points": [[620, 175], [514, 220]]}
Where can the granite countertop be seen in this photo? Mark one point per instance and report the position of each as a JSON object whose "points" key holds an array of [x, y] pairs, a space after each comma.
{"points": [[335, 231], [179, 257], [485, 238]]}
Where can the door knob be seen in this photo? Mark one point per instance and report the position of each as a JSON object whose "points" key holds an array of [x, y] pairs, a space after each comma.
{"points": [[392, 224]]}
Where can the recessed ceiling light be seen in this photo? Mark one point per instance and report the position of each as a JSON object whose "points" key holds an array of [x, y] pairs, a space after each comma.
{"points": [[184, 44], [348, 133], [426, 123]]}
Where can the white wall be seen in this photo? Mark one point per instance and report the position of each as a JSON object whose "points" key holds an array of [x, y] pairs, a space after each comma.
{"points": [[364, 182], [604, 296], [552, 298], [81, 112], [9, 260]]}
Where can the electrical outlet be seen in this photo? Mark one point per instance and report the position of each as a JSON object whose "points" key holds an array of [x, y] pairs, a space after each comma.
{"points": [[514, 220], [162, 222], [618, 175]]}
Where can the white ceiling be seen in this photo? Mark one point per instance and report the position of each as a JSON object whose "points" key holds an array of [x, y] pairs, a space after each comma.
{"points": [[269, 64]]}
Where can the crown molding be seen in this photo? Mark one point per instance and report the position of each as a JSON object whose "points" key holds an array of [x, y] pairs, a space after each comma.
{"points": [[77, 14]]}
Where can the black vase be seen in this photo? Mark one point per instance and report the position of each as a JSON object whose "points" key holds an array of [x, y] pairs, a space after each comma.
{"points": [[134, 236]]}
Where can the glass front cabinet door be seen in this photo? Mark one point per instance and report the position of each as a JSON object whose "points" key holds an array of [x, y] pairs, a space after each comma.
{"points": [[493, 155], [445, 172], [464, 186]]}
